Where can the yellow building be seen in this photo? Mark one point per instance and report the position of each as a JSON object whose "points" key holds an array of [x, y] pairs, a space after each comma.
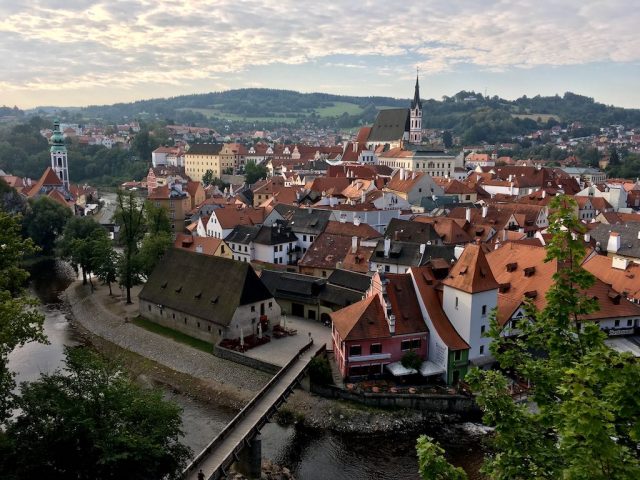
{"points": [[202, 157]]}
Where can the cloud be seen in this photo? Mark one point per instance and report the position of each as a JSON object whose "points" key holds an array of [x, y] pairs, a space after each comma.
{"points": [[101, 44]]}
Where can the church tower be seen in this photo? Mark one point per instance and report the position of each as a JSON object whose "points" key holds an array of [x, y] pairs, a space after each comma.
{"points": [[415, 128], [59, 155]]}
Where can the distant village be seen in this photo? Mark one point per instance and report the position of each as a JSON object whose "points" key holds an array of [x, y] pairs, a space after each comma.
{"points": [[386, 240]]}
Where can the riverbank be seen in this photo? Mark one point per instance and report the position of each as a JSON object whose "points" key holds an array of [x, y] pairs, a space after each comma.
{"points": [[101, 319]]}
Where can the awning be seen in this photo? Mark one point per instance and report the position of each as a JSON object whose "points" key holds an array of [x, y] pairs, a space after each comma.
{"points": [[428, 368], [397, 370]]}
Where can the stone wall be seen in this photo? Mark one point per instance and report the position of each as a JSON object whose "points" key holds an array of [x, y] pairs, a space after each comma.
{"points": [[182, 322], [238, 357], [458, 404]]}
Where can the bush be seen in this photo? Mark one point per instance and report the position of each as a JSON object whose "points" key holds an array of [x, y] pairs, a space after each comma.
{"points": [[320, 371], [411, 360]]}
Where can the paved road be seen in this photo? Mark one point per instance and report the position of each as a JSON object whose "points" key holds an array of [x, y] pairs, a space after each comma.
{"points": [[255, 414]]}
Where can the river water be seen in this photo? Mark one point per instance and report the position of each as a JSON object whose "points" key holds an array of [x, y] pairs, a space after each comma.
{"points": [[310, 455]]}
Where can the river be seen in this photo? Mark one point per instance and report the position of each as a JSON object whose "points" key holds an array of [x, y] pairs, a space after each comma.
{"points": [[310, 455]]}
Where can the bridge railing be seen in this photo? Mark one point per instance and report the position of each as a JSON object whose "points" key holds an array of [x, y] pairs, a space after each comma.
{"points": [[245, 411]]}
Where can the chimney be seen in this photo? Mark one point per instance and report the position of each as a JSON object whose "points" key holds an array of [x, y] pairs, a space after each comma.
{"points": [[402, 174], [362, 195], [422, 249], [392, 324], [354, 244], [356, 220], [544, 193], [485, 210], [511, 191], [587, 237], [619, 263], [614, 242], [387, 247], [467, 214], [199, 248]]}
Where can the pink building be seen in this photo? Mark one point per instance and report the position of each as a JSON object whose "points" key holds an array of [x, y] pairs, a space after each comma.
{"points": [[379, 330]]}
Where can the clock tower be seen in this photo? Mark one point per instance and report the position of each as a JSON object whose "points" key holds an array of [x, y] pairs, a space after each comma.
{"points": [[59, 155]]}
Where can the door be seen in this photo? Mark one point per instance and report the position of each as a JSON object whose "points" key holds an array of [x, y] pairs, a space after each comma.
{"points": [[297, 310]]}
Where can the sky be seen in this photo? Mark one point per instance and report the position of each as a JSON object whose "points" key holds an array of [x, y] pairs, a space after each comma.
{"points": [[82, 52]]}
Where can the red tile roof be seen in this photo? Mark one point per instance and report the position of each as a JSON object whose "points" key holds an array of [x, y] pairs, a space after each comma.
{"points": [[362, 320], [404, 304], [472, 273]]}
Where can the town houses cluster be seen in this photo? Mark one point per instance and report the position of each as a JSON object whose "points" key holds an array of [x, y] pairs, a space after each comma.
{"points": [[392, 242]]}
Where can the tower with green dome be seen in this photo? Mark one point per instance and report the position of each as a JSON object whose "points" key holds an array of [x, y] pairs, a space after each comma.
{"points": [[59, 155]]}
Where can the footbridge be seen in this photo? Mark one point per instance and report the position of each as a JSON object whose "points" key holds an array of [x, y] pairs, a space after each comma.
{"points": [[240, 439]]}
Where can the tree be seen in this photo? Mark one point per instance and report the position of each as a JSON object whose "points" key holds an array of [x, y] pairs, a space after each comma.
{"points": [[130, 217], [157, 220], [152, 249], [91, 422], [586, 424], [614, 158], [253, 172], [207, 178], [77, 244], [447, 139], [45, 222], [20, 322], [432, 464], [105, 261]]}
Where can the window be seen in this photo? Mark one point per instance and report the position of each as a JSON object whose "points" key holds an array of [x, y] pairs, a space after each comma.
{"points": [[185, 320], [415, 343], [324, 273], [629, 323], [481, 349], [149, 307], [457, 355], [275, 249], [222, 248], [405, 345], [270, 304], [457, 302], [484, 310], [387, 269], [482, 329], [355, 350], [375, 348], [198, 324], [617, 323], [304, 238], [174, 316], [208, 328], [253, 308]]}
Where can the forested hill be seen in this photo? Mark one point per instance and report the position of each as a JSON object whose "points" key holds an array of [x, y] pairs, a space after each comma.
{"points": [[263, 108]]}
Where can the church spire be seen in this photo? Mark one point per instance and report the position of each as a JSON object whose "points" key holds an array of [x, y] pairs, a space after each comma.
{"points": [[416, 103]]}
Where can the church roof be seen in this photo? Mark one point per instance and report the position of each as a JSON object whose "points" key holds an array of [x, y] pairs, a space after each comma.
{"points": [[48, 179], [390, 125], [416, 97]]}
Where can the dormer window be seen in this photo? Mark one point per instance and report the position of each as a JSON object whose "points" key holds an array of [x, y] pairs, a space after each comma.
{"points": [[529, 271]]}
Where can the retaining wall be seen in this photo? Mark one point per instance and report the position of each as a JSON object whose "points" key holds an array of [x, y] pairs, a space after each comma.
{"points": [[237, 357]]}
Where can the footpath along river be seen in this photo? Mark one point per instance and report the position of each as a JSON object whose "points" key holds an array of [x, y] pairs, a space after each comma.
{"points": [[309, 454]]}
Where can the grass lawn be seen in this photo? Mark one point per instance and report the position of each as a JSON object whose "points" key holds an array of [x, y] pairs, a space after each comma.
{"points": [[338, 108], [212, 112], [173, 334]]}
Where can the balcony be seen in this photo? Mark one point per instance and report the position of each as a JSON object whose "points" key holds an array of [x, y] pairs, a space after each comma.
{"points": [[367, 358]]}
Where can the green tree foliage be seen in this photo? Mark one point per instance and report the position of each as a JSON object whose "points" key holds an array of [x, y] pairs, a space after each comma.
{"points": [[143, 144], [105, 260], [432, 464], [614, 158], [157, 219], [207, 178], [411, 360], [320, 371], [91, 422], [585, 424], [253, 172], [10, 200], [20, 322], [447, 139], [78, 244], [130, 216], [152, 249], [45, 222]]}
